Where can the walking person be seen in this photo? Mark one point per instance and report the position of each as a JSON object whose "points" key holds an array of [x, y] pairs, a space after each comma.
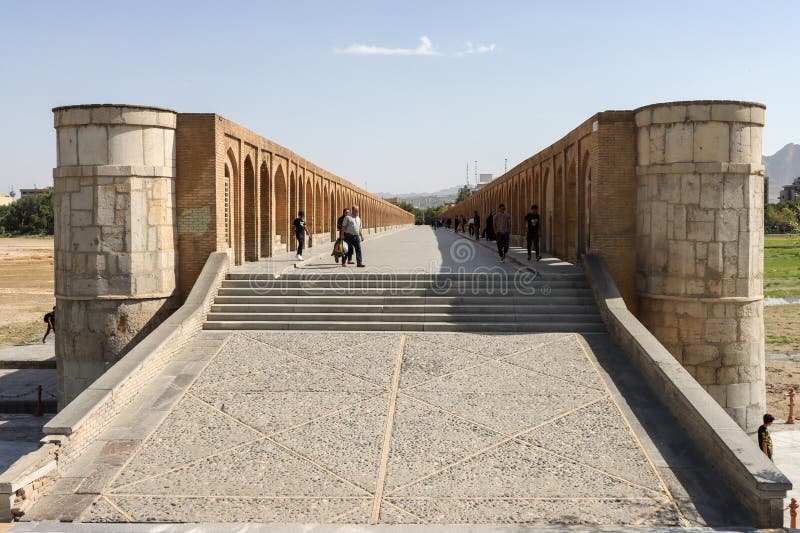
{"points": [[463, 224], [764, 438], [532, 220], [502, 229], [476, 219], [490, 226], [471, 226], [455, 229], [300, 231], [352, 235], [50, 320]]}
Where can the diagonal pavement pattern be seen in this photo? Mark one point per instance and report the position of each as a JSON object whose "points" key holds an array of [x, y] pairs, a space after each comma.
{"points": [[393, 427], [367, 428]]}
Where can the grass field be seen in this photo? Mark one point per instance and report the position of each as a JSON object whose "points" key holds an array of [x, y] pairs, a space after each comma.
{"points": [[781, 266], [26, 287]]}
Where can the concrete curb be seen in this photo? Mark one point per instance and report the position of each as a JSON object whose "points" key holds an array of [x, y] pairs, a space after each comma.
{"points": [[759, 485]]}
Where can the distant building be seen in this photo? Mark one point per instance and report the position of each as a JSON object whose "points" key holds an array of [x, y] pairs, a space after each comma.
{"points": [[32, 192], [5, 199], [791, 193]]}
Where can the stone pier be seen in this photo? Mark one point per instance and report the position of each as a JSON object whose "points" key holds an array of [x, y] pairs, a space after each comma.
{"points": [[700, 243], [115, 261]]}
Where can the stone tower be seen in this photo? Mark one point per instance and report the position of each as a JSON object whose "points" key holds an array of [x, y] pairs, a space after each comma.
{"points": [[115, 259], [700, 241]]}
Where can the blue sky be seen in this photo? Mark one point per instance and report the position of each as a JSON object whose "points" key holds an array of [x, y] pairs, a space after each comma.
{"points": [[398, 121]]}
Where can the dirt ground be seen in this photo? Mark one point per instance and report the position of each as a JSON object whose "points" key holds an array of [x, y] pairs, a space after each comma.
{"points": [[26, 287]]}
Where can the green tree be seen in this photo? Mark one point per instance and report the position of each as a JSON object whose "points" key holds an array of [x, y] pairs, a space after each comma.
{"points": [[32, 215], [783, 217], [463, 193]]}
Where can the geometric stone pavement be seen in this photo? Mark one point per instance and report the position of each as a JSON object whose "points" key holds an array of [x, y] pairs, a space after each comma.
{"points": [[448, 428]]}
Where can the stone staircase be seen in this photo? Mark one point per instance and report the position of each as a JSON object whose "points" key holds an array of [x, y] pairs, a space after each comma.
{"points": [[367, 301]]}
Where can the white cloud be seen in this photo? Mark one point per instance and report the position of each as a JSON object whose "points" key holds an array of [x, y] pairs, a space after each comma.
{"points": [[476, 49], [425, 48]]}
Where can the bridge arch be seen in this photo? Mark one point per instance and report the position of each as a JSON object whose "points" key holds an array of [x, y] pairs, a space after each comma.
{"points": [[265, 209], [249, 215], [282, 201]]}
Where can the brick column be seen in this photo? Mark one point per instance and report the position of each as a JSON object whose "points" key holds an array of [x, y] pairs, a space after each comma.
{"points": [[700, 244], [115, 256]]}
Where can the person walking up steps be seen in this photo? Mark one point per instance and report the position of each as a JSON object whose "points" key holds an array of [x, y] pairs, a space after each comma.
{"points": [[532, 220], [502, 227], [300, 232], [351, 234]]}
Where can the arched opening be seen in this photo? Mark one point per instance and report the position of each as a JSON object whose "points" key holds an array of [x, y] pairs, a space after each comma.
{"points": [[281, 212], [547, 210], [293, 208], [265, 203], [558, 214], [308, 205], [319, 210], [249, 212], [235, 209], [335, 212], [226, 206], [584, 205], [571, 200]]}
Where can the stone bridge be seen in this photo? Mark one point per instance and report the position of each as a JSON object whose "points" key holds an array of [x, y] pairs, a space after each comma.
{"points": [[445, 387]]}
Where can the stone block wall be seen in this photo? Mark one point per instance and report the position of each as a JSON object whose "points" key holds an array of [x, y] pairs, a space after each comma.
{"points": [[700, 244], [115, 259]]}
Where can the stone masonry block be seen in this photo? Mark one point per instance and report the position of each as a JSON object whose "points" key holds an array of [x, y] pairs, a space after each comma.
{"points": [[711, 141], [711, 191], [679, 143], [698, 112], [657, 143], [125, 145], [644, 118], [719, 329], [737, 395], [643, 146], [700, 354], [730, 113], [153, 139], [727, 225], [67, 146], [733, 192], [83, 199], [757, 115], [92, 145], [741, 151], [690, 189]]}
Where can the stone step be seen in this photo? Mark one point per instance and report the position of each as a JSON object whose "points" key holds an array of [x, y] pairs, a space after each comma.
{"points": [[405, 300], [482, 327], [361, 274], [340, 307], [383, 291], [353, 283], [418, 316]]}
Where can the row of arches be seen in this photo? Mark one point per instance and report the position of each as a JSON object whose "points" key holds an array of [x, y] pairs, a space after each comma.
{"points": [[262, 196], [559, 184]]}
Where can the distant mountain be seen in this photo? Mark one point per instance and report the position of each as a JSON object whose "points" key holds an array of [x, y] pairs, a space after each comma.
{"points": [[452, 191], [782, 167]]}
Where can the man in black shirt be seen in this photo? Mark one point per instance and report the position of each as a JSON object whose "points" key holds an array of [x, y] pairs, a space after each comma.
{"points": [[532, 221], [477, 221], [764, 439], [300, 232]]}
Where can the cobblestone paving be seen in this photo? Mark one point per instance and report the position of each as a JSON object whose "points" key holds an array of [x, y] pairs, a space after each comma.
{"points": [[389, 428]]}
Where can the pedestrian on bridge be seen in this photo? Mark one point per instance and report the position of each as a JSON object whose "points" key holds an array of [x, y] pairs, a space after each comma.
{"points": [[490, 227], [463, 224], [502, 228], [764, 438], [300, 231], [476, 219], [471, 226], [352, 235], [533, 223]]}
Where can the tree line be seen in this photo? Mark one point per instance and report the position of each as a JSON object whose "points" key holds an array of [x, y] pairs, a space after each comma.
{"points": [[32, 215], [783, 217]]}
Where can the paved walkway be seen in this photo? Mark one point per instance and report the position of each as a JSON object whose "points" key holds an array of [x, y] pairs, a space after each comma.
{"points": [[427, 428]]}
